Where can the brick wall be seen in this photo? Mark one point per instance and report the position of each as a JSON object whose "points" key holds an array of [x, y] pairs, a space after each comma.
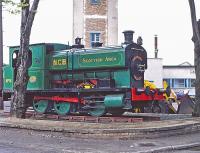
{"points": [[99, 9], [95, 25]]}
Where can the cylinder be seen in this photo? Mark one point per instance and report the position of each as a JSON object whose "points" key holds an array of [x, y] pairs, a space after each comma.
{"points": [[114, 101]]}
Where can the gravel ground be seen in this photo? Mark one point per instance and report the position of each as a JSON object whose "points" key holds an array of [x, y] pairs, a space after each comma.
{"points": [[29, 141], [15, 140]]}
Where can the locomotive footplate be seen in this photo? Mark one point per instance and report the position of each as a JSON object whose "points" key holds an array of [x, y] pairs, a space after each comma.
{"points": [[79, 90]]}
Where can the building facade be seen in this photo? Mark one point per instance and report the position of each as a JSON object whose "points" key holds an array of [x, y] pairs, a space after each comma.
{"points": [[179, 77], [95, 21]]}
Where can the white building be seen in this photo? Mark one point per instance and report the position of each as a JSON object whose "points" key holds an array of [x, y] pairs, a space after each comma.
{"points": [[179, 77]]}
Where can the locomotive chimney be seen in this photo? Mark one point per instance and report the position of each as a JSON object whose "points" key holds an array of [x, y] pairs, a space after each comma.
{"points": [[156, 46], [128, 36]]}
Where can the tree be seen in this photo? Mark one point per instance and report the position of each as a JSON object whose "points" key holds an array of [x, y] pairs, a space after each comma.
{"points": [[196, 40], [18, 103]]}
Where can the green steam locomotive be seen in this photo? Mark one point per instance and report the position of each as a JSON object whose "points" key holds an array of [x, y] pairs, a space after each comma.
{"points": [[72, 79]]}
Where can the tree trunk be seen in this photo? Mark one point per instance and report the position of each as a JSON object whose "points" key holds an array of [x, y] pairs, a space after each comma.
{"points": [[18, 103], [197, 82], [196, 40]]}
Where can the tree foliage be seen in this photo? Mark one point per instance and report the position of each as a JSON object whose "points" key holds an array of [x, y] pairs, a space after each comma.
{"points": [[12, 6]]}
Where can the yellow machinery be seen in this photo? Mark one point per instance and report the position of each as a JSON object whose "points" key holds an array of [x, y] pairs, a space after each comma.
{"points": [[179, 103], [176, 103]]}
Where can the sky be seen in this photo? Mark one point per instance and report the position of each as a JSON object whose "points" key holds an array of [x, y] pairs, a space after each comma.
{"points": [[169, 19]]}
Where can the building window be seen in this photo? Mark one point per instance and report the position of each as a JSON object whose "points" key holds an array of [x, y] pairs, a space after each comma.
{"points": [[191, 82], [14, 58], [181, 83], [95, 1], [94, 37]]}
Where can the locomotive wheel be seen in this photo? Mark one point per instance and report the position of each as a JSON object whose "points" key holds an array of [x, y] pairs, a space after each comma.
{"points": [[62, 108], [117, 111], [160, 107], [97, 110], [40, 106], [156, 109]]}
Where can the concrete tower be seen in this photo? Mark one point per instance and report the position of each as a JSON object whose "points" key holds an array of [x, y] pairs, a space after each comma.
{"points": [[96, 21]]}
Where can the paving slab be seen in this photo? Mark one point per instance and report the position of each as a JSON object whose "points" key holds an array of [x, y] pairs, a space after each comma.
{"points": [[151, 129]]}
